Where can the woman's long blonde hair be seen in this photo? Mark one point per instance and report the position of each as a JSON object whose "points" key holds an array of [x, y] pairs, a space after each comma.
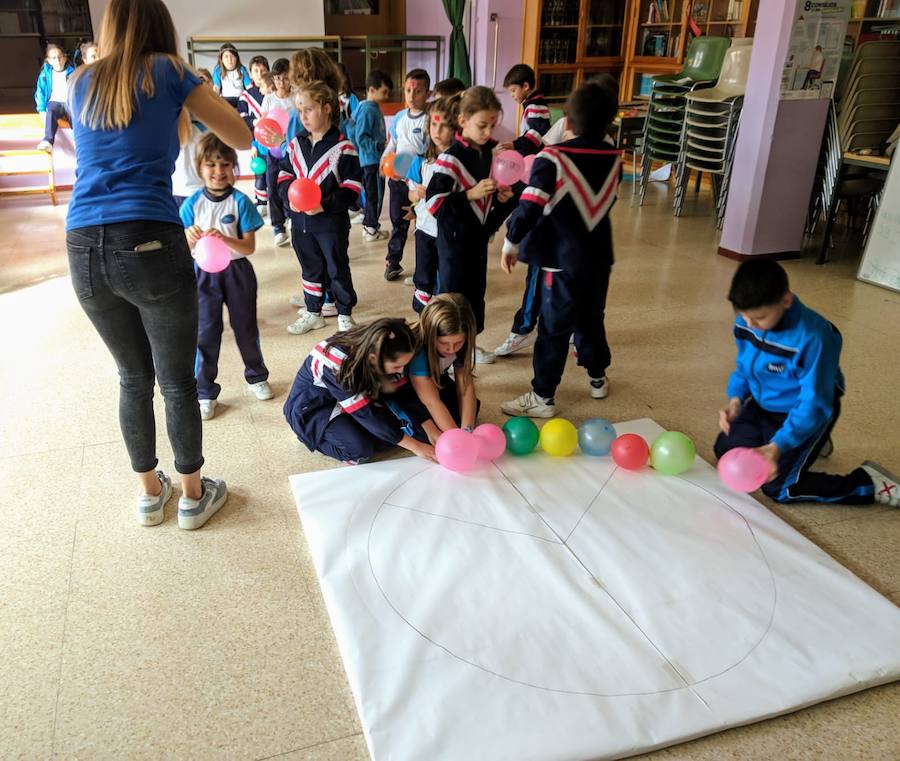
{"points": [[132, 32], [447, 315]]}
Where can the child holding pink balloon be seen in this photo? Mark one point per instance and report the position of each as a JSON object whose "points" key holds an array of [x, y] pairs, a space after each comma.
{"points": [[443, 116], [344, 401], [321, 234], [447, 333], [468, 204], [562, 226], [785, 396], [221, 211]]}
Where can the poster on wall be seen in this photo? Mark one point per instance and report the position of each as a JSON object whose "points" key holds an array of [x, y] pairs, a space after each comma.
{"points": [[814, 52]]}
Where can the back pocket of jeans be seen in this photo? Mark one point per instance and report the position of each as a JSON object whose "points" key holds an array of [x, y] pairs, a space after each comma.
{"points": [[80, 270], [154, 275]]}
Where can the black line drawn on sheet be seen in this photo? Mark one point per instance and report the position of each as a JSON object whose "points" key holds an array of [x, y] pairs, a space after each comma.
{"points": [[686, 682]]}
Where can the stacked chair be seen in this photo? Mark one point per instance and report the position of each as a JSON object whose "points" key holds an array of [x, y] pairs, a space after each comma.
{"points": [[864, 113], [710, 130], [665, 115]]}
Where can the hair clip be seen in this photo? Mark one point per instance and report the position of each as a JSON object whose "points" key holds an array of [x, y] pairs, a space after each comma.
{"points": [[391, 335]]}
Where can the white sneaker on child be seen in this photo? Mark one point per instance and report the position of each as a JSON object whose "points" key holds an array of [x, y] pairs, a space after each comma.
{"points": [[149, 510], [484, 357], [263, 209], [45, 145], [375, 235], [262, 390], [329, 309], [282, 239], [887, 485], [409, 281], [356, 218], [345, 322], [599, 388], [529, 405], [514, 342], [306, 322], [207, 409]]}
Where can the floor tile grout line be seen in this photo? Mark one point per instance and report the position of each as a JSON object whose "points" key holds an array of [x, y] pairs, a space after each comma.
{"points": [[308, 747], [62, 644]]}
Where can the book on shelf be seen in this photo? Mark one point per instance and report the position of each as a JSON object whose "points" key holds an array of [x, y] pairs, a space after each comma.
{"points": [[663, 9]]}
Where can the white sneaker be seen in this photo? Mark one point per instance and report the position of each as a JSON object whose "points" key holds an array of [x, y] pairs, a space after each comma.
{"points": [[377, 235], [298, 301], [263, 209], [514, 342], [329, 309], [484, 357], [357, 218], [599, 388], [262, 390], [887, 485], [282, 239], [529, 405], [45, 145], [409, 281], [207, 409], [193, 513], [149, 510], [306, 322], [345, 322]]}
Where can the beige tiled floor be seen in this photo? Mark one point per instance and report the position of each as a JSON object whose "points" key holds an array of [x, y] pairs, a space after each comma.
{"points": [[125, 642]]}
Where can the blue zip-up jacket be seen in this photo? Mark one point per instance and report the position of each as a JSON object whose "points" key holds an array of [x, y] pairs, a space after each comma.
{"points": [[371, 134], [349, 103], [792, 369], [217, 77], [45, 85]]}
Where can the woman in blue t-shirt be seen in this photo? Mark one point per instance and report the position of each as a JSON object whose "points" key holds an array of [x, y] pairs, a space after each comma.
{"points": [[447, 333], [130, 264]]}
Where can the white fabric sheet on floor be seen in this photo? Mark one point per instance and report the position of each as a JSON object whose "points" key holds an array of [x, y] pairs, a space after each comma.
{"points": [[563, 608]]}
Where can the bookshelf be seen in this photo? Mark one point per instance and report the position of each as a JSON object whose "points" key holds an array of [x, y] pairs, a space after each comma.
{"points": [[874, 20]]}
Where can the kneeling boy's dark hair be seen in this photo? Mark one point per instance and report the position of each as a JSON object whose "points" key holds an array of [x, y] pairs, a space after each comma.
{"points": [[520, 74], [447, 87], [379, 79], [758, 283], [592, 107]]}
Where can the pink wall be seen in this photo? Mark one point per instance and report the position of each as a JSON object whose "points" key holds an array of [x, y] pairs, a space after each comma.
{"points": [[776, 151]]}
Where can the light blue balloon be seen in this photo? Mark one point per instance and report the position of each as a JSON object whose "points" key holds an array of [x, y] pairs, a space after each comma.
{"points": [[402, 163], [595, 436]]}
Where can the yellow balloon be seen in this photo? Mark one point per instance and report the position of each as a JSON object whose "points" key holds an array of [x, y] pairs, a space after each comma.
{"points": [[559, 437]]}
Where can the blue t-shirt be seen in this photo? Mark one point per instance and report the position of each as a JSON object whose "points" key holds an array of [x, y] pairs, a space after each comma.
{"points": [[419, 364], [126, 175]]}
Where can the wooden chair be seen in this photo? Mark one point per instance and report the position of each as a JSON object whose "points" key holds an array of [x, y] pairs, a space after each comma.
{"points": [[19, 162]]}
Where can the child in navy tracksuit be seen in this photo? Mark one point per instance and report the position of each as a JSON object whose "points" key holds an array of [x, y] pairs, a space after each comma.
{"points": [[520, 84], [562, 225], [369, 138], [408, 134], [785, 393], [230, 77], [469, 206], [51, 93], [352, 398], [250, 108], [224, 212], [321, 236], [443, 116]]}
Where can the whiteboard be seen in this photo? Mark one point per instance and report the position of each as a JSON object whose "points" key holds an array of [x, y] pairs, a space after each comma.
{"points": [[881, 261], [561, 609]]}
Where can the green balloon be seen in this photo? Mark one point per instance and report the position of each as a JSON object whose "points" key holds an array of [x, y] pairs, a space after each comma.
{"points": [[522, 435], [672, 453], [258, 165]]}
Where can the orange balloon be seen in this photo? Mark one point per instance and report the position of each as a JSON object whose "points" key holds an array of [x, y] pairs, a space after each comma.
{"points": [[387, 166]]}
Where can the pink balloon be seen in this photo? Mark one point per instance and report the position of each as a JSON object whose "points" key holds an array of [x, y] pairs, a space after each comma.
{"points": [[743, 469], [508, 168], [529, 163], [457, 450], [281, 116], [212, 254], [491, 441]]}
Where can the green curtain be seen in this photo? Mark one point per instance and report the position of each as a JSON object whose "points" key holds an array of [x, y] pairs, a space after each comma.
{"points": [[458, 62]]}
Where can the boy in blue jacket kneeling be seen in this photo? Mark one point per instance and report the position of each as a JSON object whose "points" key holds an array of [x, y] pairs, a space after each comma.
{"points": [[784, 396]]}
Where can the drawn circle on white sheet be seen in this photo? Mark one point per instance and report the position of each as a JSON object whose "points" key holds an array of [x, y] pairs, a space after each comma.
{"points": [[568, 618]]}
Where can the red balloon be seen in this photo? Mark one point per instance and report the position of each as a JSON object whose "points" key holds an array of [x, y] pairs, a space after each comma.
{"points": [[304, 194], [269, 133], [387, 166], [630, 451]]}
